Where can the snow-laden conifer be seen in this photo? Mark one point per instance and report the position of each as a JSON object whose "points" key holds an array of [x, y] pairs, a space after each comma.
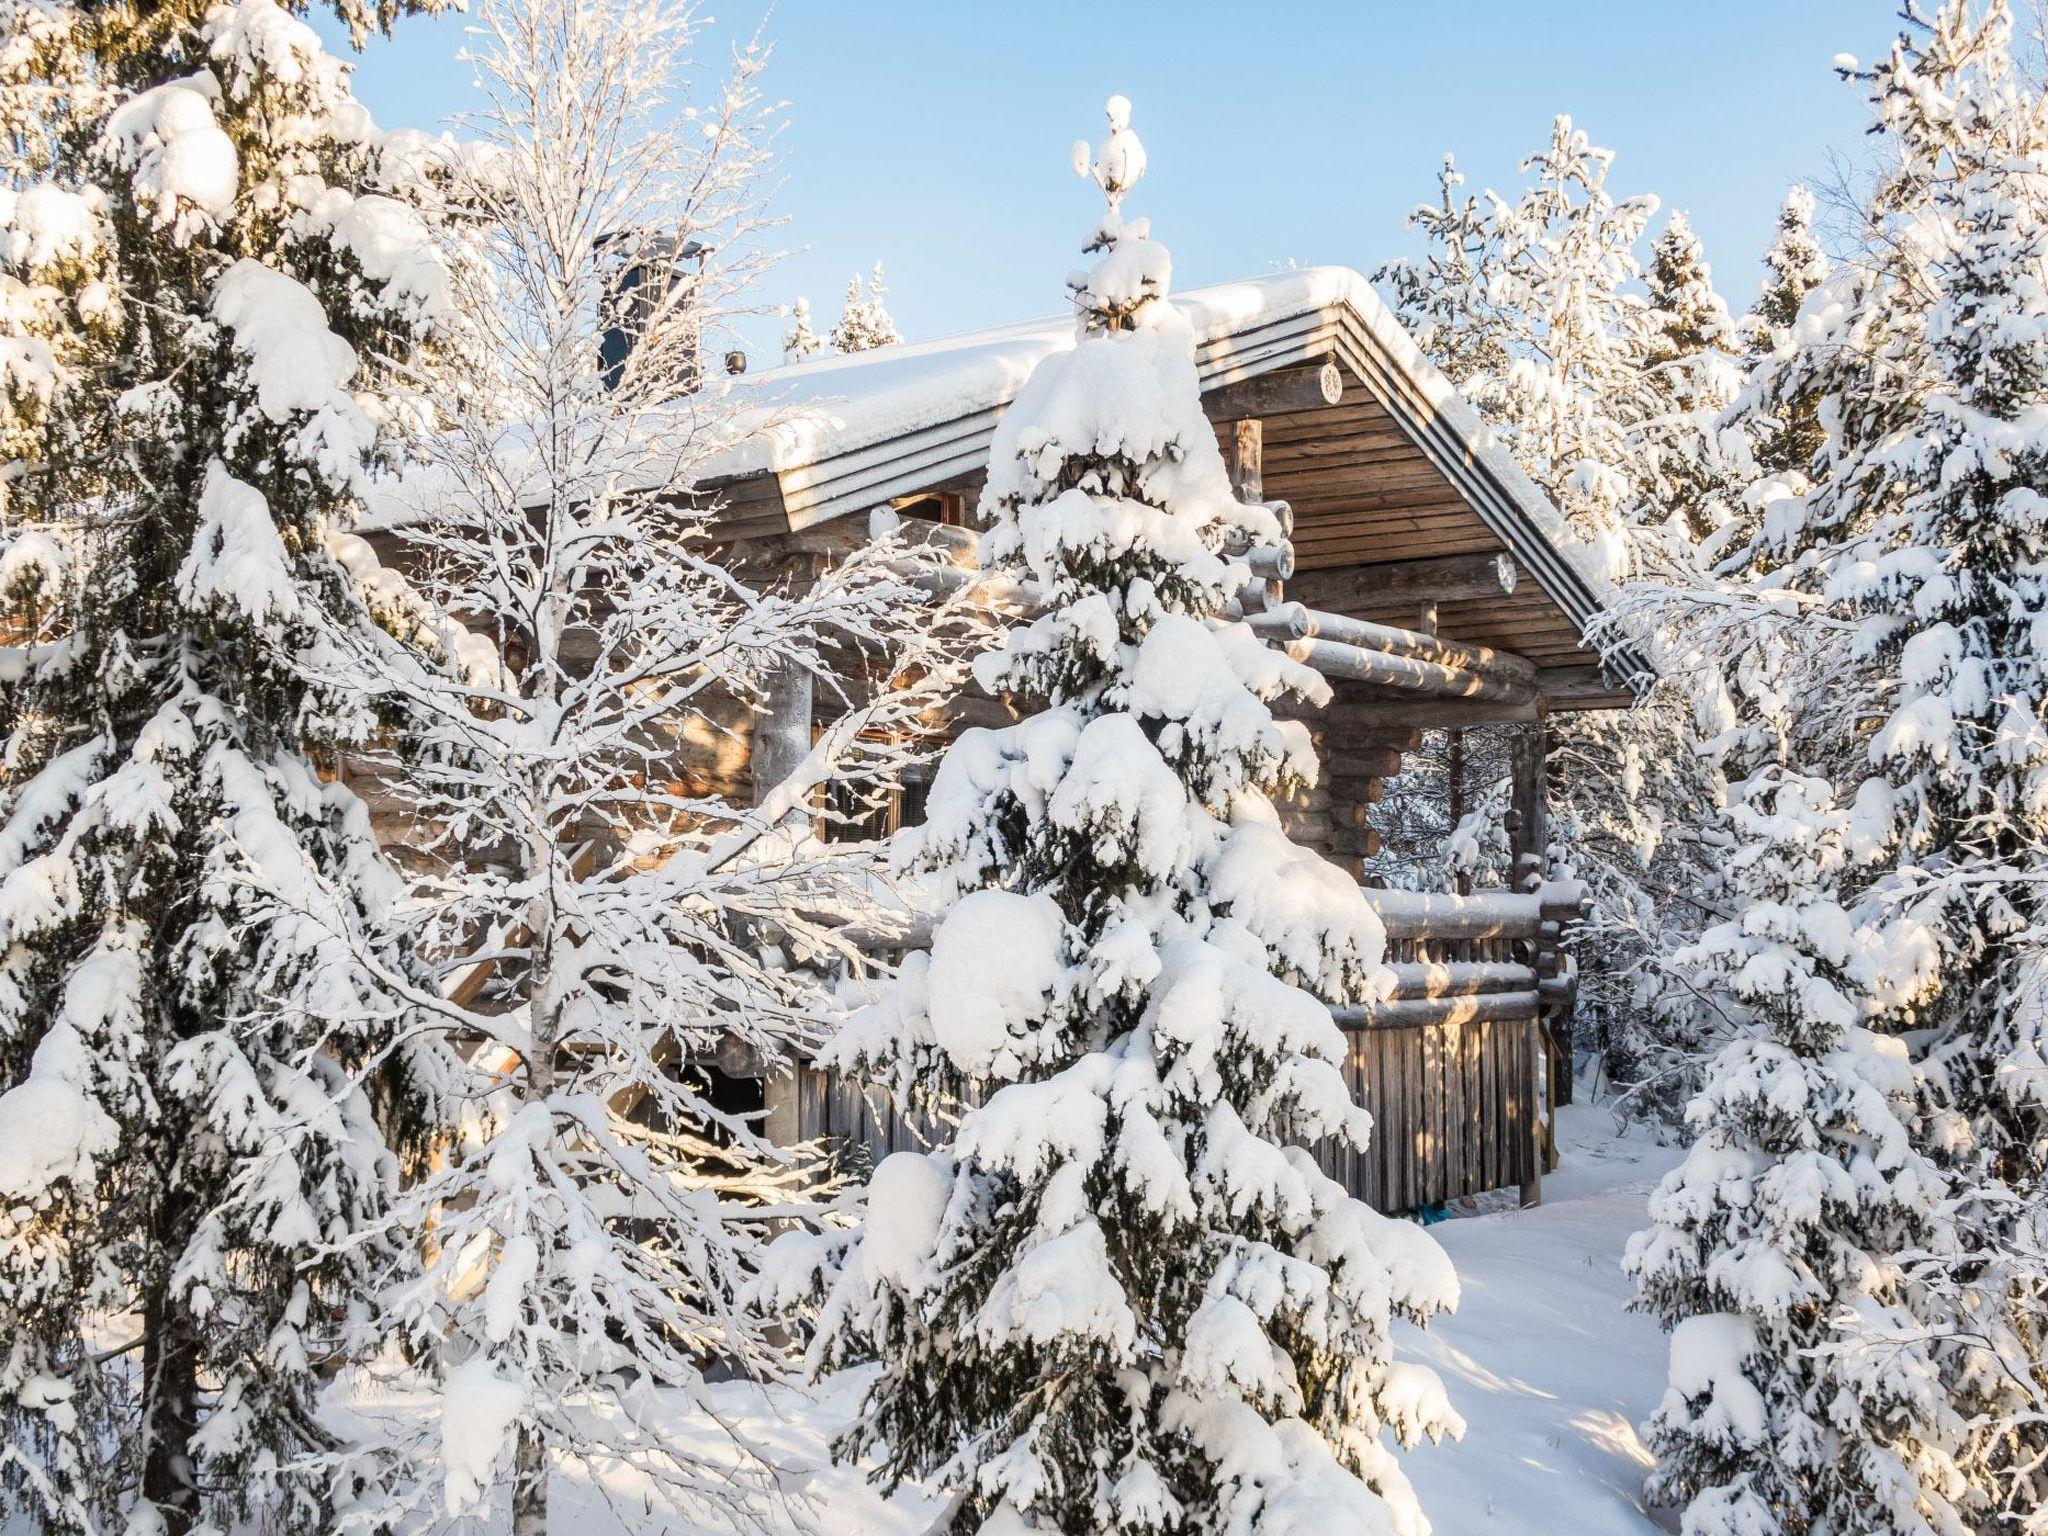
{"points": [[1804, 1395], [1794, 265], [864, 321], [1122, 1296], [800, 341], [1689, 377], [619, 907], [1532, 306], [1773, 419], [201, 263], [1934, 498]]}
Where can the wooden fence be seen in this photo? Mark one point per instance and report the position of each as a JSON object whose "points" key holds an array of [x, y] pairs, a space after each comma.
{"points": [[1459, 1066]]}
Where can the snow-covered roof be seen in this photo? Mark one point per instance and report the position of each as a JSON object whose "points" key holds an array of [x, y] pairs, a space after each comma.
{"points": [[834, 404], [851, 432]]}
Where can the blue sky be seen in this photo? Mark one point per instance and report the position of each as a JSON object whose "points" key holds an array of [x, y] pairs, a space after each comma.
{"points": [[933, 136]]}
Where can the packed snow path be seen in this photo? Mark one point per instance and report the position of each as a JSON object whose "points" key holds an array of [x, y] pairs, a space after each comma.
{"points": [[1543, 1358]]}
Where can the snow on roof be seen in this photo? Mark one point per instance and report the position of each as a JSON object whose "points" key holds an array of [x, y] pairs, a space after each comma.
{"points": [[845, 433], [832, 405]]}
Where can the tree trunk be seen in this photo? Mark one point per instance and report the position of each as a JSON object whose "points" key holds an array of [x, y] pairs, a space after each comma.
{"points": [[530, 1483], [170, 1398], [530, 1454]]}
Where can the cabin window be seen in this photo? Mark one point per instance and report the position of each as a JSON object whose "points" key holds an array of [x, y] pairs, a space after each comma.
{"points": [[853, 820]]}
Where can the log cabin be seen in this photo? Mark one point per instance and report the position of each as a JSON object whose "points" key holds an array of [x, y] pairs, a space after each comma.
{"points": [[1428, 579]]}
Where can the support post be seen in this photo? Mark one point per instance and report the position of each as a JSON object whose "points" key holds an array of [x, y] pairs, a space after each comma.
{"points": [[1454, 744], [782, 731], [782, 740], [1539, 1114], [1531, 822], [1244, 455], [1531, 838]]}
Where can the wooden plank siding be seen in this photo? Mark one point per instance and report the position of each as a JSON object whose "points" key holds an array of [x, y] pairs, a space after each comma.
{"points": [[1450, 1105]]}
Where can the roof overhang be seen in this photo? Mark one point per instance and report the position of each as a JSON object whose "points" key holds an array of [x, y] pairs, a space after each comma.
{"points": [[849, 434]]}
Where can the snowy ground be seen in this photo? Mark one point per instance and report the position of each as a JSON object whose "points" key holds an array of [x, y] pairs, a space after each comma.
{"points": [[1549, 1368]]}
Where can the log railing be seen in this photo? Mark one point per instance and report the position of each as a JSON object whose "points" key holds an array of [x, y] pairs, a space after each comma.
{"points": [[1458, 1061], [1463, 1060]]}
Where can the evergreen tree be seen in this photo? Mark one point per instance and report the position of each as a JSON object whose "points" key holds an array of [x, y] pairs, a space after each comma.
{"points": [[1775, 1254], [1530, 306], [1794, 265], [1123, 1296], [1688, 380], [1774, 423], [800, 341], [864, 321], [198, 254], [1917, 550], [1951, 584], [1686, 315]]}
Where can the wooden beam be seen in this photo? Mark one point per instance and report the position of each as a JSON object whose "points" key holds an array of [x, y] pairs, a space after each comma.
{"points": [[1399, 583], [1335, 658], [1442, 714], [1270, 394], [1418, 1012], [1271, 562], [1584, 688], [1292, 620], [1244, 455]]}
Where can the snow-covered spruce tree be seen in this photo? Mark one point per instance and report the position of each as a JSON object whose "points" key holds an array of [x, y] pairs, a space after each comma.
{"points": [[864, 321], [1686, 315], [1123, 1297], [597, 1213], [1794, 265], [196, 263], [1804, 1395], [1943, 560], [1689, 379], [1774, 421], [800, 341]]}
